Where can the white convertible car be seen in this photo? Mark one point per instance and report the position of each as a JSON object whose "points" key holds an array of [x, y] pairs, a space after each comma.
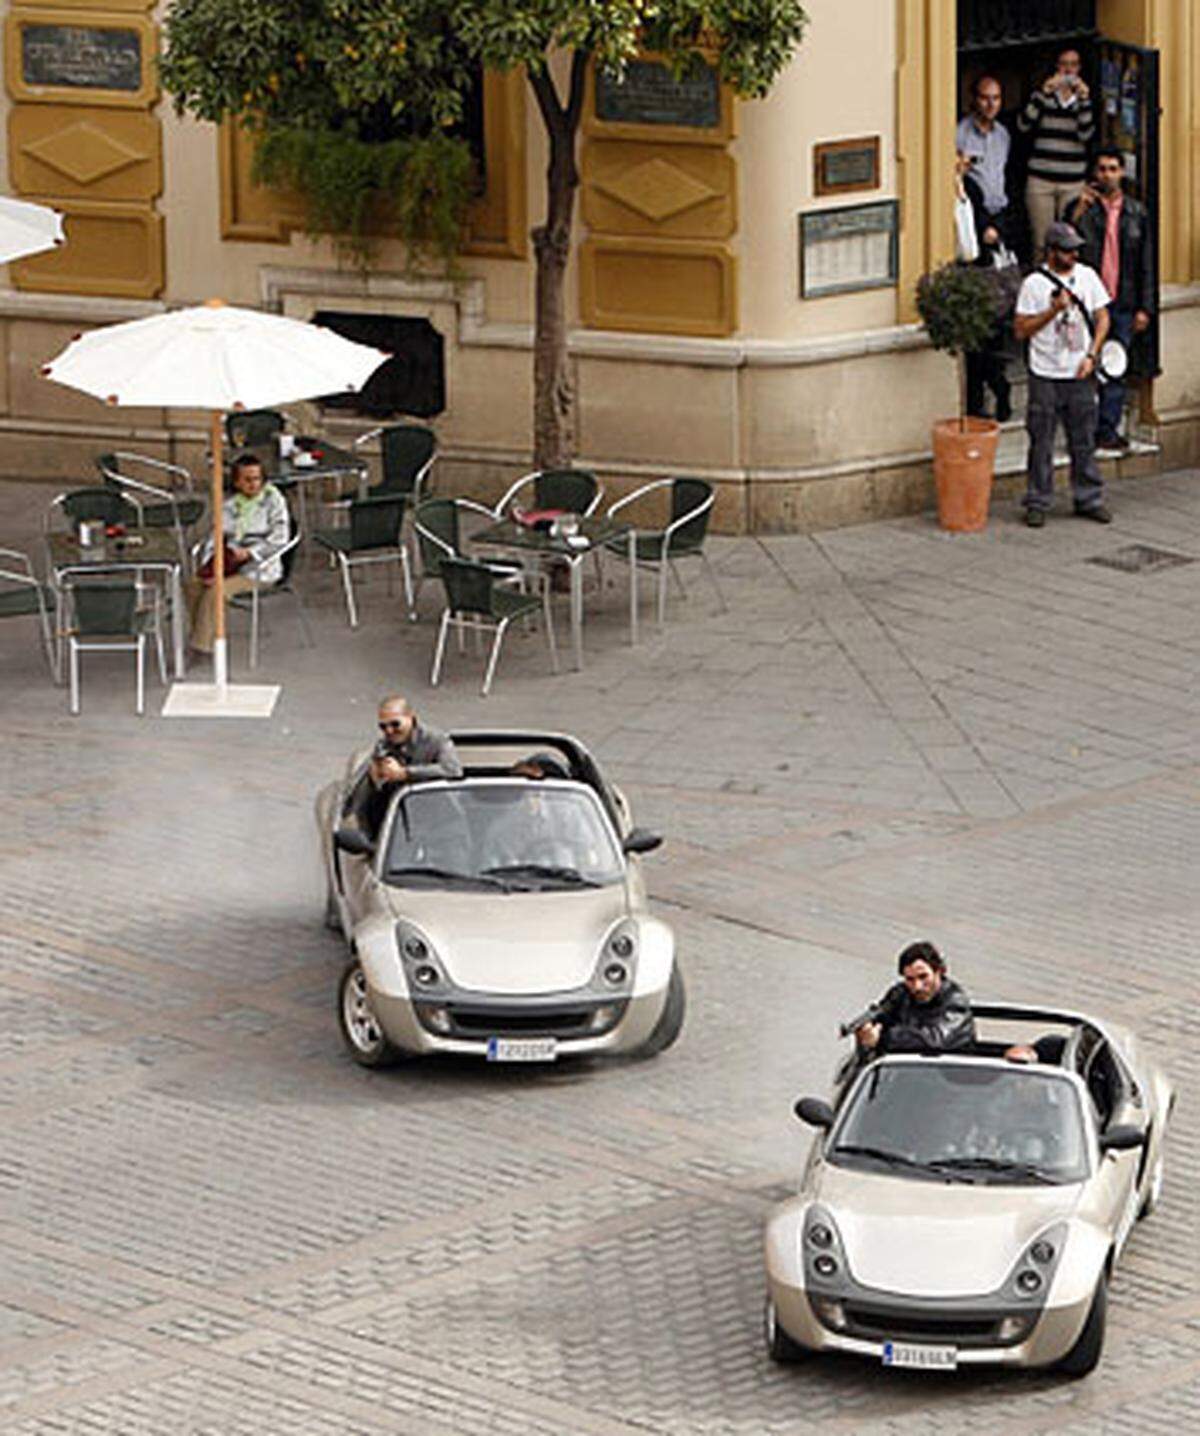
{"points": [[968, 1208], [499, 915]]}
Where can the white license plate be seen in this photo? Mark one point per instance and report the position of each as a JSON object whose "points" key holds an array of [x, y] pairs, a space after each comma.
{"points": [[929, 1358], [518, 1049]]}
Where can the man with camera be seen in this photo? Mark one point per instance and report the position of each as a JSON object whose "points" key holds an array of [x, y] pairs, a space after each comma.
{"points": [[406, 752], [983, 146], [1115, 229], [1061, 123]]}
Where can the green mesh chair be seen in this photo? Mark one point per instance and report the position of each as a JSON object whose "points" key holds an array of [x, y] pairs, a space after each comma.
{"points": [[406, 452], [171, 503], [254, 428], [22, 596], [372, 537], [110, 617], [658, 550], [438, 526], [574, 491], [478, 602]]}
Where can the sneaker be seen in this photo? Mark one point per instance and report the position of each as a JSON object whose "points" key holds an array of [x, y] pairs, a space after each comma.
{"points": [[1098, 514], [1035, 518]]}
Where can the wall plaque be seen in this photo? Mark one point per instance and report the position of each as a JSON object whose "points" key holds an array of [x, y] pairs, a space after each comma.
{"points": [[844, 165], [851, 248], [81, 57], [649, 94]]}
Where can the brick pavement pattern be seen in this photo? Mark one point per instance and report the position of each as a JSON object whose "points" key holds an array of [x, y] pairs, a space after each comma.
{"points": [[213, 1224]]}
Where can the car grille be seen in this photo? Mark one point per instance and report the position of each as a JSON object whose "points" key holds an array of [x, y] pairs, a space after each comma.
{"points": [[479, 1021], [872, 1322]]}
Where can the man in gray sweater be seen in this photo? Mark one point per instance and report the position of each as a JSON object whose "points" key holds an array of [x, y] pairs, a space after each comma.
{"points": [[1060, 120]]}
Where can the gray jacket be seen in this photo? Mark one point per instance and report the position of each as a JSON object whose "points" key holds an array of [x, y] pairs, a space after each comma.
{"points": [[428, 753]]}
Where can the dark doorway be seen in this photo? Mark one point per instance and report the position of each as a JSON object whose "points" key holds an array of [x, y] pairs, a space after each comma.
{"points": [[412, 382]]}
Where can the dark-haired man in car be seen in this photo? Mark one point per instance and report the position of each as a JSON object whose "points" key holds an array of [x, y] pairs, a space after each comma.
{"points": [[926, 1011]]}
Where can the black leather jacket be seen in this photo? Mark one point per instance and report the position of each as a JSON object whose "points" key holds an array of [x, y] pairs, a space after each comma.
{"points": [[1136, 288], [943, 1024]]}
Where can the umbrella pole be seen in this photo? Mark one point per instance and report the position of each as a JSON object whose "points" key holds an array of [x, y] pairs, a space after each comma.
{"points": [[220, 651]]}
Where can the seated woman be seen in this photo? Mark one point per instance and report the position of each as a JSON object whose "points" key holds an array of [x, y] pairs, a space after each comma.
{"points": [[257, 525]]}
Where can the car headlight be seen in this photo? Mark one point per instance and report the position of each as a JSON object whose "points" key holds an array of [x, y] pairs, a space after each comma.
{"points": [[1034, 1270], [421, 966], [824, 1258], [614, 968]]}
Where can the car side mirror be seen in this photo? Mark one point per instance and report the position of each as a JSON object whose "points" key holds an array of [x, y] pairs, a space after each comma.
{"points": [[350, 840], [641, 840], [1122, 1139], [814, 1112]]}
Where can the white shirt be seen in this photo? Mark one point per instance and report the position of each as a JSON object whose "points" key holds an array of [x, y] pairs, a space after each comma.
{"points": [[1057, 349]]}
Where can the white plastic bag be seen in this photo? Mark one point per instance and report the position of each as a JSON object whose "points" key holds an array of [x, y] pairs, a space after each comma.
{"points": [[966, 240]]}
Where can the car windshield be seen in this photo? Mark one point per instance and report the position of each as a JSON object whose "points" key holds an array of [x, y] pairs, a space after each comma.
{"points": [[942, 1120], [519, 836]]}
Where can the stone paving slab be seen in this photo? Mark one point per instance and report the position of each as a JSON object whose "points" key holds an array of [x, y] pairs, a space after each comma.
{"points": [[213, 1223]]}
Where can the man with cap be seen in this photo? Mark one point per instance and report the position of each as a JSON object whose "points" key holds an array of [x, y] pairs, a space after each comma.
{"points": [[1062, 311]]}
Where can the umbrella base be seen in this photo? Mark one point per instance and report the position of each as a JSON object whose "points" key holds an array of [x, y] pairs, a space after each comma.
{"points": [[214, 700]]}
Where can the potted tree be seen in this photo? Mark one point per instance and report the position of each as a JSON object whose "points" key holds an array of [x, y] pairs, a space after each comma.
{"points": [[957, 306]]}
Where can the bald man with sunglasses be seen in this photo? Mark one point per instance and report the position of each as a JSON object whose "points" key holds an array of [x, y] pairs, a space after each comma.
{"points": [[406, 752]]}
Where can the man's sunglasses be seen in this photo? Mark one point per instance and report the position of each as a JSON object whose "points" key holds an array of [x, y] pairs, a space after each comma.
{"points": [[386, 726]]}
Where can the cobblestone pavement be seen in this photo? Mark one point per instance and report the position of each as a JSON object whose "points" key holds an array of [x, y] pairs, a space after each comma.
{"points": [[213, 1223]]}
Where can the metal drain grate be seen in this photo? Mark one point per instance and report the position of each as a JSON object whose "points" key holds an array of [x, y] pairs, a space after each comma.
{"points": [[1141, 558]]}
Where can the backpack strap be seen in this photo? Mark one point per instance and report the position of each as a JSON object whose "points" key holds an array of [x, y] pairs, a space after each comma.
{"points": [[1073, 297]]}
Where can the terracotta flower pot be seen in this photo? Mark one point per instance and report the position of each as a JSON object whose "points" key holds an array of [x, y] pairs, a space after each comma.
{"points": [[964, 462]]}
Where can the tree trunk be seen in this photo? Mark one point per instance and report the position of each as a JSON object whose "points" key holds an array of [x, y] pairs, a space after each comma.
{"points": [[553, 389]]}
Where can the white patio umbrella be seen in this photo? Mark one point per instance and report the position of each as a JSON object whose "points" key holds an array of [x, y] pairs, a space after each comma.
{"points": [[27, 228], [218, 357]]}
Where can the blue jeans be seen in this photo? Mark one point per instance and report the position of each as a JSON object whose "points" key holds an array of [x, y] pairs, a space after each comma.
{"points": [[1112, 394]]}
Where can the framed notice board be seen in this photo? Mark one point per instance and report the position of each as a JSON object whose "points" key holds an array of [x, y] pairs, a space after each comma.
{"points": [[854, 247]]}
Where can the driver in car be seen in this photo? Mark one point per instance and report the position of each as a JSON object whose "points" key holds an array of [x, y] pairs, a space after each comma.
{"points": [[926, 1011]]}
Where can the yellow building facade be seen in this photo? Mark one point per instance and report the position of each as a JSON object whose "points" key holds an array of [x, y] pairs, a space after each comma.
{"points": [[741, 293]]}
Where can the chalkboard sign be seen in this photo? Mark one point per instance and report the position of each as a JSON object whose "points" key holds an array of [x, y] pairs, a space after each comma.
{"points": [[649, 94], [81, 57]]}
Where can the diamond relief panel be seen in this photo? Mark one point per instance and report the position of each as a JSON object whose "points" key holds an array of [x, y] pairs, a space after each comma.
{"points": [[657, 190], [83, 153]]}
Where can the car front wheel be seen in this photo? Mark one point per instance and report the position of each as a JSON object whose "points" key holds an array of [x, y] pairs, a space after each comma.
{"points": [[360, 1027], [670, 1022], [780, 1346], [1083, 1357]]}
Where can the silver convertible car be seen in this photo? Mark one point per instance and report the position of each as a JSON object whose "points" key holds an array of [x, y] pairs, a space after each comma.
{"points": [[968, 1208], [501, 914]]}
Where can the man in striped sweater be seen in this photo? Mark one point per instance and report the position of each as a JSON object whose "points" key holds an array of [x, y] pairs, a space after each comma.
{"points": [[1060, 120]]}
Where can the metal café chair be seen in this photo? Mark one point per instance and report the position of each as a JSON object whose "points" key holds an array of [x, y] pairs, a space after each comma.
{"points": [[683, 537], [477, 601], [174, 505], [575, 491], [22, 595], [406, 455], [109, 617], [373, 537], [254, 428], [262, 592], [438, 526]]}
